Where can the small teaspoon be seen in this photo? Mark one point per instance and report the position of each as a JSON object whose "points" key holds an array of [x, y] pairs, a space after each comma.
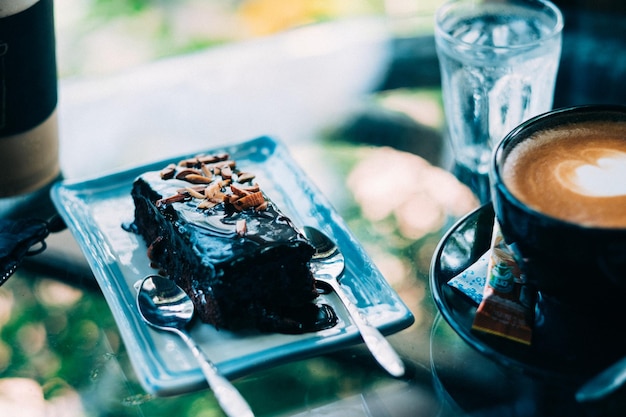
{"points": [[165, 306], [327, 265]]}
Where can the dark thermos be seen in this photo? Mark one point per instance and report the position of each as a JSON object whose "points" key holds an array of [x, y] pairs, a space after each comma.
{"points": [[29, 143]]}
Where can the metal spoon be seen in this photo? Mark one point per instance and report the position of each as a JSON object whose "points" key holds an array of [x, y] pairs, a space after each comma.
{"points": [[165, 306], [327, 265], [603, 384]]}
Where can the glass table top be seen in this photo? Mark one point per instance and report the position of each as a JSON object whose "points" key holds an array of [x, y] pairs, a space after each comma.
{"points": [[368, 133]]}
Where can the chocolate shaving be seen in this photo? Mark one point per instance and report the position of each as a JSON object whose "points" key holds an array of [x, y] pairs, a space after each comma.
{"points": [[212, 178]]}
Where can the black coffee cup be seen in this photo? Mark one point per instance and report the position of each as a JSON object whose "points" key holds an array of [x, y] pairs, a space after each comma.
{"points": [[561, 257], [578, 267]]}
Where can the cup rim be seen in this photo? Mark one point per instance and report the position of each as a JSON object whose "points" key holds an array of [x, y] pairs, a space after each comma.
{"points": [[537, 123], [556, 29]]}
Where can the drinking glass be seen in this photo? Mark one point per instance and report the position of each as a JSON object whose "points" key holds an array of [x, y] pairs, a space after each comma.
{"points": [[498, 61]]}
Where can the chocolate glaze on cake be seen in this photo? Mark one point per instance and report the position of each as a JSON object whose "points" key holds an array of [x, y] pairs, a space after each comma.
{"points": [[242, 262]]}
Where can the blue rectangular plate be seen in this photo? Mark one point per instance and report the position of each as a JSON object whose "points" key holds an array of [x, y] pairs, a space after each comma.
{"points": [[95, 210]]}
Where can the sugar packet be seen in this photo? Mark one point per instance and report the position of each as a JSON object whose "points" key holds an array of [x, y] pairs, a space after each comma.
{"points": [[506, 307], [471, 282]]}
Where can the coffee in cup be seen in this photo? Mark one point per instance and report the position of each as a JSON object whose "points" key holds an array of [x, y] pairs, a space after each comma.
{"points": [[559, 193], [575, 173]]}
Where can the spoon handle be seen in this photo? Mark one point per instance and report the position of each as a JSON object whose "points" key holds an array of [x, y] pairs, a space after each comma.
{"points": [[378, 345], [604, 384], [229, 398]]}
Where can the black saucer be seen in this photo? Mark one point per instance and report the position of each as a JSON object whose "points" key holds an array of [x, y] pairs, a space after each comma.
{"points": [[464, 243]]}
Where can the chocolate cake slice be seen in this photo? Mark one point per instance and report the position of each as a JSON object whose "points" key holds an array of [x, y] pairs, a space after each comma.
{"points": [[212, 230]]}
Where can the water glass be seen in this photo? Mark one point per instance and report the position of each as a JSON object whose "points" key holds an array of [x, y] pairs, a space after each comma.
{"points": [[498, 62]]}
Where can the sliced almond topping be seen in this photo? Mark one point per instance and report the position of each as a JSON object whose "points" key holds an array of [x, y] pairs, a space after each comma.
{"points": [[219, 198], [211, 159], [226, 163], [183, 173], [154, 246], [206, 171], [262, 206], [201, 170], [212, 190], [227, 172], [245, 177], [171, 199], [198, 188], [241, 227], [196, 161], [197, 179], [190, 162], [251, 200], [240, 191], [251, 188], [168, 172], [195, 194], [206, 204]]}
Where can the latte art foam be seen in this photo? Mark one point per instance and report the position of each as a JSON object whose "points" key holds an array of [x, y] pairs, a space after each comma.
{"points": [[576, 173], [597, 176]]}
